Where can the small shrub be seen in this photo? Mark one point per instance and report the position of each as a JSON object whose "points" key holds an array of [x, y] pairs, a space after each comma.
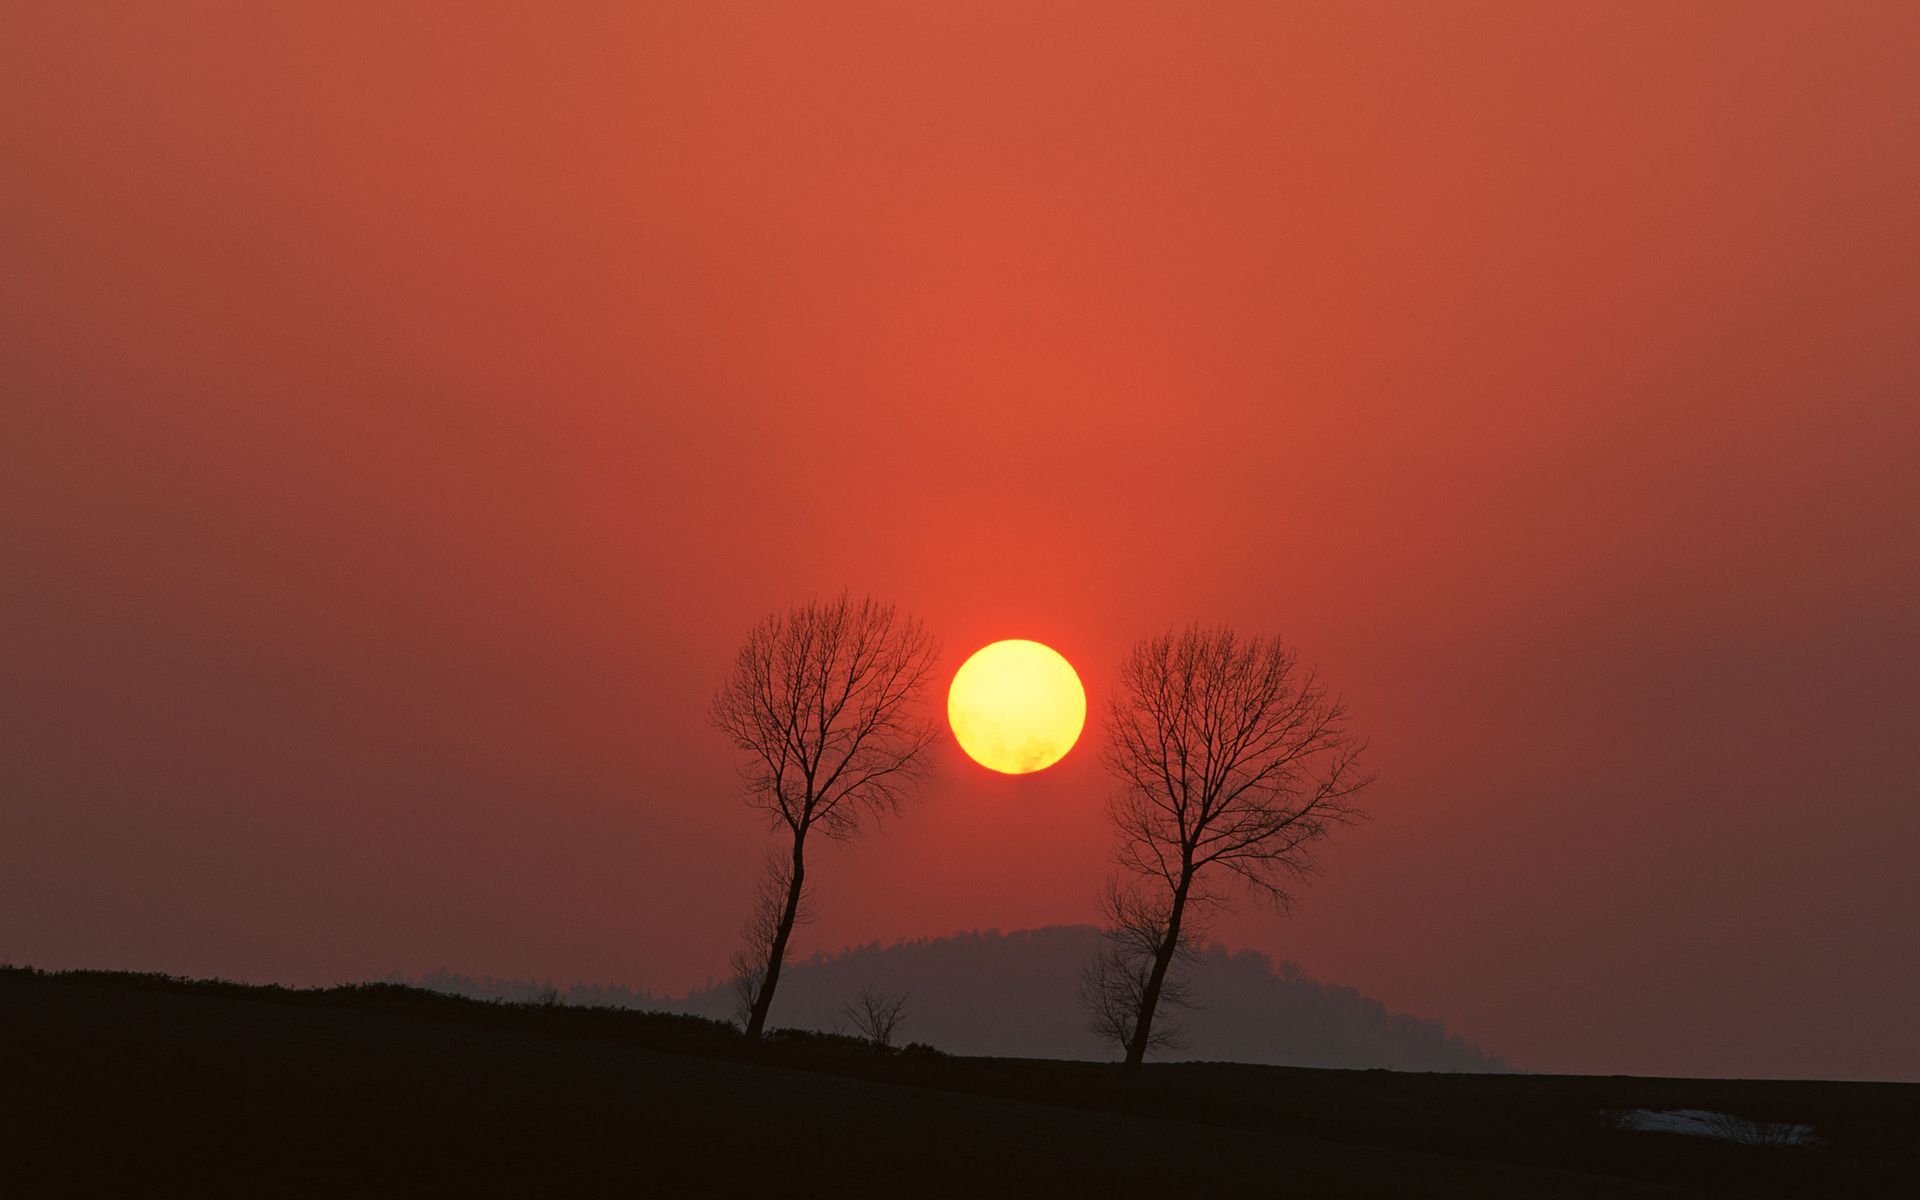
{"points": [[921, 1050]]}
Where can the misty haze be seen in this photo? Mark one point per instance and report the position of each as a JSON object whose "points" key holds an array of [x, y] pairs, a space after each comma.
{"points": [[966, 597], [1013, 994]]}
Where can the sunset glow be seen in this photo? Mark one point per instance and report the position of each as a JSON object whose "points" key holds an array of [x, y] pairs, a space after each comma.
{"points": [[408, 413]]}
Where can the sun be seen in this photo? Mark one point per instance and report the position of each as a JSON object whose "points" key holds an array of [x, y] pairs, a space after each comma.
{"points": [[1016, 707]]}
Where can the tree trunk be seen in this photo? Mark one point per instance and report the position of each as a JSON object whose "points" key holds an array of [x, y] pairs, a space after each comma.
{"points": [[1157, 978], [777, 953]]}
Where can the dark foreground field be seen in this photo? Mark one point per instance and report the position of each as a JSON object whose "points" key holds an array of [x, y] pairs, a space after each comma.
{"points": [[140, 1085]]}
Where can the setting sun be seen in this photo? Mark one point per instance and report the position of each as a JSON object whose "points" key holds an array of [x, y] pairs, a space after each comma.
{"points": [[1016, 707]]}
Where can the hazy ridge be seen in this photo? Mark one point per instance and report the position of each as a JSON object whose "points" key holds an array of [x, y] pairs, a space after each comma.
{"points": [[1015, 994]]}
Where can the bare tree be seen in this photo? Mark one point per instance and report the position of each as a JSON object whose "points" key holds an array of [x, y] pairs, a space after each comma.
{"points": [[1114, 985], [826, 699], [762, 930], [1234, 761], [877, 1014]]}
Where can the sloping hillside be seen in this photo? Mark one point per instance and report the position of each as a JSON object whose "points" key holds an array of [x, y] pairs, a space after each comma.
{"points": [[140, 1085]]}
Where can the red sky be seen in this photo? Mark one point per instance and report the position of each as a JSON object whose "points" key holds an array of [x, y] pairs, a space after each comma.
{"points": [[405, 409]]}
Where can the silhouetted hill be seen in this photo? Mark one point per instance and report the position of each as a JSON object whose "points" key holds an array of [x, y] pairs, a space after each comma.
{"points": [[1016, 994], [141, 1085]]}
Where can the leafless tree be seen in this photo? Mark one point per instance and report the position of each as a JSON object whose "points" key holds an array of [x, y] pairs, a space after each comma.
{"points": [[762, 928], [827, 701], [1114, 984], [1233, 760], [876, 1014]]}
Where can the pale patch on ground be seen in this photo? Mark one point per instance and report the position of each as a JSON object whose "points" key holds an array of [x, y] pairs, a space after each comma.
{"points": [[1726, 1127]]}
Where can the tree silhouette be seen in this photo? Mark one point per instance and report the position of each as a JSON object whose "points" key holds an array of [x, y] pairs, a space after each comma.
{"points": [[1113, 986], [876, 1014], [826, 699], [762, 929], [1234, 761]]}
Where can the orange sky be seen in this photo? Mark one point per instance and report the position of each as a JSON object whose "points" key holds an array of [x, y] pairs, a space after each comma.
{"points": [[405, 409]]}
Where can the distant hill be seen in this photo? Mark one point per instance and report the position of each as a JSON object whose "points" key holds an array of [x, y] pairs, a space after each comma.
{"points": [[1016, 995]]}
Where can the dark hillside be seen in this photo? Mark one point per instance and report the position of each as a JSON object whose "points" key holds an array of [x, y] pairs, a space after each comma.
{"points": [[120, 1084]]}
